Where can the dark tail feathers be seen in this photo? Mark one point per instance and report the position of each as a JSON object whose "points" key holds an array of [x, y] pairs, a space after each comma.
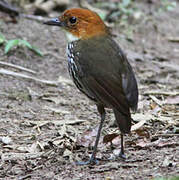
{"points": [[123, 121]]}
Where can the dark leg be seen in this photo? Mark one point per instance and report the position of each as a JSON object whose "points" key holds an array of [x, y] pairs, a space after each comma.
{"points": [[102, 114], [121, 154], [93, 160]]}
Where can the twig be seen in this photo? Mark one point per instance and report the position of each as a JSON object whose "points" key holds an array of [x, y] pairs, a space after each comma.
{"points": [[12, 156], [164, 135], [161, 93], [173, 39], [157, 101], [17, 67], [62, 122], [18, 135], [175, 67], [138, 125], [15, 74], [28, 176], [7, 8], [33, 17]]}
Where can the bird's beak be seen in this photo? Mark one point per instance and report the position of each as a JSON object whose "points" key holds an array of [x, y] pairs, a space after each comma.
{"points": [[54, 22]]}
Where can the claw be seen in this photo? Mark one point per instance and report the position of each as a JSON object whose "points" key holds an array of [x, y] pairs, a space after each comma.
{"points": [[122, 155], [89, 162]]}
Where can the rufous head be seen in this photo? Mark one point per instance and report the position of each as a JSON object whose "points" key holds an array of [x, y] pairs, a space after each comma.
{"points": [[80, 24]]}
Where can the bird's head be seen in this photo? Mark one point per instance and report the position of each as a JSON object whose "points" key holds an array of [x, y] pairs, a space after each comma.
{"points": [[80, 24]]}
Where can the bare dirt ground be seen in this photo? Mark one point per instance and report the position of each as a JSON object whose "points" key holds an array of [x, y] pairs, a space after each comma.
{"points": [[44, 129]]}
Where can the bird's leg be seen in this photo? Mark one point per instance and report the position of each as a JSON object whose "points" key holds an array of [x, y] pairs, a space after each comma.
{"points": [[121, 154], [93, 160], [101, 110]]}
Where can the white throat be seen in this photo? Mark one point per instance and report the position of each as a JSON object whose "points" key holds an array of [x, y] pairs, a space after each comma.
{"points": [[71, 37]]}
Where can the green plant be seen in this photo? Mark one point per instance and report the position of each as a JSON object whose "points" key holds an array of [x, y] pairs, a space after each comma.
{"points": [[2, 39], [167, 5], [9, 44]]}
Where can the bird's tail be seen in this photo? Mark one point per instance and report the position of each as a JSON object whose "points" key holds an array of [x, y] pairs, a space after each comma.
{"points": [[123, 121]]}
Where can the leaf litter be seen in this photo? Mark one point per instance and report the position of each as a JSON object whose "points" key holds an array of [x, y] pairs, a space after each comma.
{"points": [[44, 135]]}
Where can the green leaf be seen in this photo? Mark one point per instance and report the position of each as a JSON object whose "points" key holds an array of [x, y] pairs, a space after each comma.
{"points": [[20, 42], [10, 44], [37, 51], [28, 45], [2, 39], [171, 6], [24, 43]]}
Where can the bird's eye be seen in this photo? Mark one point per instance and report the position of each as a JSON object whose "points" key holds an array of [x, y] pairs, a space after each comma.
{"points": [[72, 20]]}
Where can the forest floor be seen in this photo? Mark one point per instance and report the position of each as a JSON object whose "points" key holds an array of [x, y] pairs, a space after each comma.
{"points": [[46, 128]]}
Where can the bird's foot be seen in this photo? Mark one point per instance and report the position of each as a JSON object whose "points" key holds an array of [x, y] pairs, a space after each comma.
{"points": [[122, 155], [91, 161]]}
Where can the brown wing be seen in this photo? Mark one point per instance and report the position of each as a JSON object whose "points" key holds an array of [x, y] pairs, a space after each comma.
{"points": [[106, 75], [107, 93], [102, 60]]}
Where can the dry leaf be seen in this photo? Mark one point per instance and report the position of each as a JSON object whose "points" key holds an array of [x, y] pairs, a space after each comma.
{"points": [[153, 105], [172, 100], [56, 110], [116, 152], [156, 110], [139, 117], [63, 80], [56, 100], [158, 143], [109, 137], [21, 156], [67, 153], [87, 138], [117, 141], [143, 133], [143, 143], [167, 162], [60, 122]]}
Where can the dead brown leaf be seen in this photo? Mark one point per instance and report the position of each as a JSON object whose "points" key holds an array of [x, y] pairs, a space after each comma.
{"points": [[143, 132], [87, 138], [109, 137]]}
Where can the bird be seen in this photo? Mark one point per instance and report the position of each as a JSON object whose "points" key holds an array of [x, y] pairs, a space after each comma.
{"points": [[99, 69]]}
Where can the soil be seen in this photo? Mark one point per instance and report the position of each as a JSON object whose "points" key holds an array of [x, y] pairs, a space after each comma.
{"points": [[46, 129]]}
